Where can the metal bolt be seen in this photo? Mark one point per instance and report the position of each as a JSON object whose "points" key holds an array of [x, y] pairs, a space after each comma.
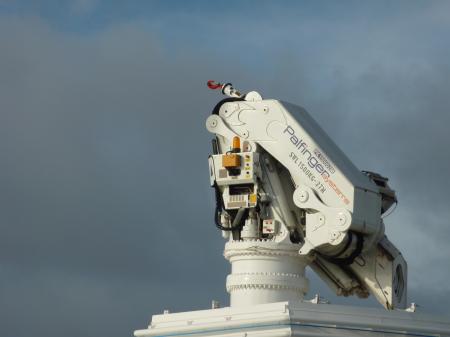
{"points": [[213, 123], [334, 236], [303, 196], [321, 219], [341, 219]]}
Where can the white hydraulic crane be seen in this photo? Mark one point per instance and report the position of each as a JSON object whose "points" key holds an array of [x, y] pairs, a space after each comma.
{"points": [[287, 197]]}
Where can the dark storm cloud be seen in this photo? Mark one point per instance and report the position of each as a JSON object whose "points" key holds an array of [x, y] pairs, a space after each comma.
{"points": [[105, 205], [91, 143]]}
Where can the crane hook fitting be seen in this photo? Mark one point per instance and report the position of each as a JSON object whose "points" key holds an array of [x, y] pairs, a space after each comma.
{"points": [[227, 89]]}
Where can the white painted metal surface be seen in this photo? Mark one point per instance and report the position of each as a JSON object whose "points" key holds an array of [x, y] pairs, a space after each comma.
{"points": [[264, 271], [340, 205], [296, 319]]}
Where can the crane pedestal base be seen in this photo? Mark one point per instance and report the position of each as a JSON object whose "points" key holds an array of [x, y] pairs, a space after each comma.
{"points": [[296, 319], [264, 271]]}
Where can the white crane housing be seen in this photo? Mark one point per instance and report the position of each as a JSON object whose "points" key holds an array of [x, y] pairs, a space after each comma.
{"points": [[287, 197], [288, 172]]}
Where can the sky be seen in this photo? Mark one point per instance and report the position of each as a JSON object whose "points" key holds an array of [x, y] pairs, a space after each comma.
{"points": [[106, 213]]}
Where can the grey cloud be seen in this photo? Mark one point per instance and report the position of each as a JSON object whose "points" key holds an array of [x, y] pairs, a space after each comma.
{"points": [[90, 140]]}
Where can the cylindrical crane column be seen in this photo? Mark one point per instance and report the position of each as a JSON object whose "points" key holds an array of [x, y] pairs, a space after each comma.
{"points": [[264, 271]]}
